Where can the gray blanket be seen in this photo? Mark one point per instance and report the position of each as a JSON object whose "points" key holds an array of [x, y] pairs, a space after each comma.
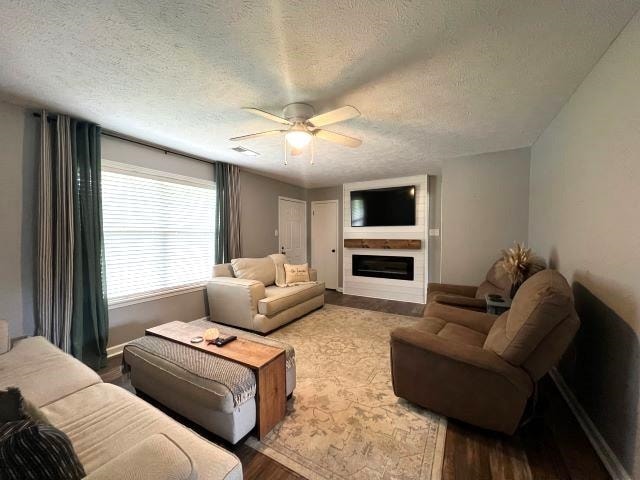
{"points": [[240, 380]]}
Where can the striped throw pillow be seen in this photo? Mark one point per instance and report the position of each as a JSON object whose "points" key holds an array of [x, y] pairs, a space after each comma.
{"points": [[30, 450]]}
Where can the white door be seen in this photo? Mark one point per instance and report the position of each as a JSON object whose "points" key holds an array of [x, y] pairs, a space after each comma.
{"points": [[324, 241], [292, 229]]}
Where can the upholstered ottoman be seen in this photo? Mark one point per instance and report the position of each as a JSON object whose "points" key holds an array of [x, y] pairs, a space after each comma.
{"points": [[213, 392]]}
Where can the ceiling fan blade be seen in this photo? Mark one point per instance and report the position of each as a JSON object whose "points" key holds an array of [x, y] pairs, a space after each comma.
{"points": [[267, 115], [334, 116], [338, 138], [256, 135]]}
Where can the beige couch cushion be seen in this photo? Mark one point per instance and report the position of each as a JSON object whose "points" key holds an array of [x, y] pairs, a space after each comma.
{"points": [[153, 458], [279, 259], [103, 421], [281, 298], [43, 372], [261, 269]]}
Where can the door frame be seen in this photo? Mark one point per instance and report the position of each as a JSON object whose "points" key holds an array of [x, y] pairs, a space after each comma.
{"points": [[338, 247], [306, 223]]}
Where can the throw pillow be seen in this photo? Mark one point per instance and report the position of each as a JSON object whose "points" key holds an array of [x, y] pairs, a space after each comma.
{"points": [[32, 450], [296, 274], [280, 259], [260, 269], [10, 405]]}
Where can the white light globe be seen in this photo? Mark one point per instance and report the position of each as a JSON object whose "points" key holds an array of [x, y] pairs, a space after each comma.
{"points": [[298, 139]]}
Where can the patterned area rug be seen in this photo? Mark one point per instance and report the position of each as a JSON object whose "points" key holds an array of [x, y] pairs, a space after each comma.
{"points": [[344, 420]]}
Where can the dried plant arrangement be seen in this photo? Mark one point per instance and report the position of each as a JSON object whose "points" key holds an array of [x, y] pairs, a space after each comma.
{"points": [[517, 261]]}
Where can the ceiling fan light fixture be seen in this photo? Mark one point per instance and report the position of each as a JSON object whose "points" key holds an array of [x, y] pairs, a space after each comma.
{"points": [[298, 139]]}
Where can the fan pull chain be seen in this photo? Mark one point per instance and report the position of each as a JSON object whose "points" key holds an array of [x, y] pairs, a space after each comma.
{"points": [[284, 140], [313, 148]]}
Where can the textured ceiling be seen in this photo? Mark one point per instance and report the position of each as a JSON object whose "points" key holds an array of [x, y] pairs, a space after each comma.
{"points": [[433, 79]]}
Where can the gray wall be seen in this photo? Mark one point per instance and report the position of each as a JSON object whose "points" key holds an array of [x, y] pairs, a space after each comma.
{"points": [[18, 159], [327, 193], [259, 212], [485, 208], [584, 211], [434, 244]]}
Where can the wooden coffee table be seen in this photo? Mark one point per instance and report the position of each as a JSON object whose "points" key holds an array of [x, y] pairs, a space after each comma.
{"points": [[267, 363]]}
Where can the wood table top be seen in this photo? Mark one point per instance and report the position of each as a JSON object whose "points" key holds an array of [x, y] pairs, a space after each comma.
{"points": [[245, 352]]}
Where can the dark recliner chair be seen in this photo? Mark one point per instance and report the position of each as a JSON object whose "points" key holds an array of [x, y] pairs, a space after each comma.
{"points": [[471, 297], [480, 368]]}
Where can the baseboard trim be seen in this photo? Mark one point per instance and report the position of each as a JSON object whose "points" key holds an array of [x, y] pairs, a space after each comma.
{"points": [[340, 290], [117, 349], [600, 445]]}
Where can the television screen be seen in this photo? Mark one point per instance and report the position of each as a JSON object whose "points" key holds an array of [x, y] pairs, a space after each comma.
{"points": [[384, 207]]}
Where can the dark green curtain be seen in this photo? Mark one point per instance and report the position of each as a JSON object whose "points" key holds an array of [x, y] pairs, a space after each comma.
{"points": [[227, 178], [90, 323]]}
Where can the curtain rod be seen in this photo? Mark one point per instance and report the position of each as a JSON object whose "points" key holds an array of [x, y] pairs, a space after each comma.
{"points": [[126, 138]]}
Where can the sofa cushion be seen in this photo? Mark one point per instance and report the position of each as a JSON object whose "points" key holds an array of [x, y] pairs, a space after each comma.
{"points": [[281, 298], [279, 259], [541, 304], [458, 333], [261, 269], [31, 365], [104, 420], [222, 270], [156, 457]]}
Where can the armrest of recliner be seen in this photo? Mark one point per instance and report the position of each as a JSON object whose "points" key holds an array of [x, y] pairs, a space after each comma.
{"points": [[478, 321], [313, 275], [464, 290], [156, 457], [234, 301], [477, 304], [5, 340]]}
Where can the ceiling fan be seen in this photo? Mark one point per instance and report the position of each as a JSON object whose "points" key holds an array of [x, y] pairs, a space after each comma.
{"points": [[304, 126]]}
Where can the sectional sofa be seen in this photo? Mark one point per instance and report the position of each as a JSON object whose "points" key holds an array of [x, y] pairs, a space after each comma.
{"points": [[114, 433]]}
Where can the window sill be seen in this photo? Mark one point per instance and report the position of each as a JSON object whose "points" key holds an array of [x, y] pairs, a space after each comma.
{"points": [[157, 295]]}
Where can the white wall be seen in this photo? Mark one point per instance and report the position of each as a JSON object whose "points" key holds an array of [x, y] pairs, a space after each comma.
{"points": [[18, 158], [391, 289], [584, 216], [485, 208]]}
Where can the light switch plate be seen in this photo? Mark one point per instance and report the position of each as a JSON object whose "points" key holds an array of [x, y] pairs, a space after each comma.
{"points": [[434, 232]]}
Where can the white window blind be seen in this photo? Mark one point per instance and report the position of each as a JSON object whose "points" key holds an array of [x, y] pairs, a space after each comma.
{"points": [[159, 231]]}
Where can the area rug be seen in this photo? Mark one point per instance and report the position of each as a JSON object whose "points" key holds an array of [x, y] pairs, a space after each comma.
{"points": [[344, 420]]}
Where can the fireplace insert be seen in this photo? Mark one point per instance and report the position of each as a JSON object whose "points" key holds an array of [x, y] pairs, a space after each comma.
{"points": [[381, 266]]}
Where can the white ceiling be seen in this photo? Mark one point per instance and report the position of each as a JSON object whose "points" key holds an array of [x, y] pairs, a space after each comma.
{"points": [[433, 79]]}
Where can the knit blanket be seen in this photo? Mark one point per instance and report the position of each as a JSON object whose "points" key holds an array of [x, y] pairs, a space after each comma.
{"points": [[239, 379]]}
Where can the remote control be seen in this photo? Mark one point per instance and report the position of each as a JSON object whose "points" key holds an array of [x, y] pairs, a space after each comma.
{"points": [[219, 342]]}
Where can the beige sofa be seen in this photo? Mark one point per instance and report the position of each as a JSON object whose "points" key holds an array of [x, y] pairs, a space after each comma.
{"points": [[243, 294], [114, 433]]}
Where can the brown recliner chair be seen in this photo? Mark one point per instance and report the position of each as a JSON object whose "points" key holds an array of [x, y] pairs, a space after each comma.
{"points": [[471, 297], [480, 368]]}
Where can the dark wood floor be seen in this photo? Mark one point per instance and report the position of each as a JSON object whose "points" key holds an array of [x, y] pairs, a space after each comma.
{"points": [[552, 446]]}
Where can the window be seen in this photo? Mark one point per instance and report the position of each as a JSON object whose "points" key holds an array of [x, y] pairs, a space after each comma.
{"points": [[159, 231]]}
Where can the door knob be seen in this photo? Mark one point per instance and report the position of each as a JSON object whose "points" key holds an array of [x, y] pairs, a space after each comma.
{"points": [[333, 250]]}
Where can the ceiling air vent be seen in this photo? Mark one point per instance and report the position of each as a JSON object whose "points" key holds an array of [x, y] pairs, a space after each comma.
{"points": [[245, 151]]}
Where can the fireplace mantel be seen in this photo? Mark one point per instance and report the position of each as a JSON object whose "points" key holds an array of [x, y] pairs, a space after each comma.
{"points": [[383, 243]]}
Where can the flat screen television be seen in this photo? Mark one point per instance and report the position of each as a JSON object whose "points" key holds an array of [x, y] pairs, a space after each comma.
{"points": [[384, 207]]}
